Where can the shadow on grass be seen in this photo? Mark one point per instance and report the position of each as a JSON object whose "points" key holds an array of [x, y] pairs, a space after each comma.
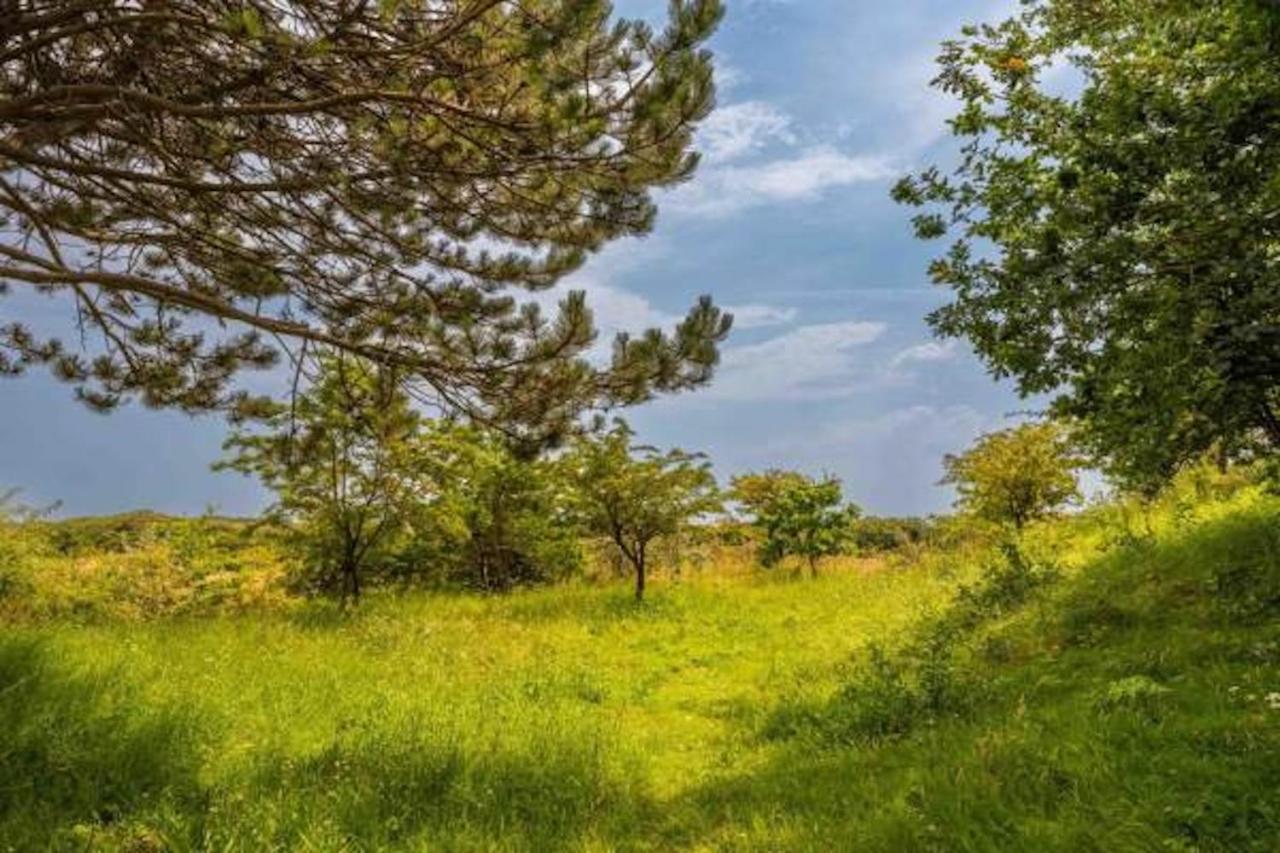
{"points": [[395, 793], [81, 756], [87, 761]]}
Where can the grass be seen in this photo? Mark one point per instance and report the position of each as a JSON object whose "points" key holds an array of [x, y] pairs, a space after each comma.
{"points": [[1120, 705]]}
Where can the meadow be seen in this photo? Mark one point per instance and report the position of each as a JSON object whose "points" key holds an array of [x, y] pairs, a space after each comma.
{"points": [[1114, 685]]}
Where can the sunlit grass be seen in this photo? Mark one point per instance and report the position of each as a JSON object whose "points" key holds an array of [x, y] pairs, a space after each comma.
{"points": [[572, 718]]}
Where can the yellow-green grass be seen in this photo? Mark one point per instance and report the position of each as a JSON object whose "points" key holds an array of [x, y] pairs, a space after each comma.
{"points": [[571, 718]]}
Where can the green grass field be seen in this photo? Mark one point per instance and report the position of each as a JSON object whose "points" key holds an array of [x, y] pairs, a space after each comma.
{"points": [[1126, 698]]}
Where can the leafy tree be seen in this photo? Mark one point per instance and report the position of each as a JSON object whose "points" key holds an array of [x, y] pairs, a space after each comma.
{"points": [[1116, 226], [635, 494], [1016, 475], [208, 183], [342, 460], [492, 520], [755, 492], [807, 519]]}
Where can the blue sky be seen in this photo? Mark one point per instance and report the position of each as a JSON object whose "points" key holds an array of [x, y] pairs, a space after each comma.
{"points": [[831, 367]]}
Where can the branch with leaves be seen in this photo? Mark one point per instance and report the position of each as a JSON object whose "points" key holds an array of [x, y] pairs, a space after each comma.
{"points": [[208, 184]]}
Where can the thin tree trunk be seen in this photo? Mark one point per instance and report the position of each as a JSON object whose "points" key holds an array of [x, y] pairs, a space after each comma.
{"points": [[1270, 423], [640, 573], [813, 565]]}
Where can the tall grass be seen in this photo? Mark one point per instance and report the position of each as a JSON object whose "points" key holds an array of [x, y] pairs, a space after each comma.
{"points": [[1094, 711]]}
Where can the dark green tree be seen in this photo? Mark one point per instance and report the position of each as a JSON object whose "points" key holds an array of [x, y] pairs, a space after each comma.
{"points": [[1116, 217], [807, 519], [634, 494], [209, 182], [489, 519]]}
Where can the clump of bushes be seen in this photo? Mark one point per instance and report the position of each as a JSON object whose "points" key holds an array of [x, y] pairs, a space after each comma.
{"points": [[880, 535], [137, 567], [890, 693]]}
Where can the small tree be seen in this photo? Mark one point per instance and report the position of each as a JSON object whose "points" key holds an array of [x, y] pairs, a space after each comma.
{"points": [[495, 519], [755, 492], [807, 519], [341, 460], [635, 494], [1016, 475]]}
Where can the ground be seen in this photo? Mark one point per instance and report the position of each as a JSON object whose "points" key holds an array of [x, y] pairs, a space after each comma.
{"points": [[1127, 696]]}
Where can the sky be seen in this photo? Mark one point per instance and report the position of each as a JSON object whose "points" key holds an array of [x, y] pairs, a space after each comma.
{"points": [[831, 368]]}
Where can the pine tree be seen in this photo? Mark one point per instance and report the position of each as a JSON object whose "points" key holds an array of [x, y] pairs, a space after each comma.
{"points": [[207, 184]]}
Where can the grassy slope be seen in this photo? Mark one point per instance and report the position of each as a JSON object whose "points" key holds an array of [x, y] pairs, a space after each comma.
{"points": [[1102, 715]]}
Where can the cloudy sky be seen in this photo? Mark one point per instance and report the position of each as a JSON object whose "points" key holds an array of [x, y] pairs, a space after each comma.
{"points": [[831, 368]]}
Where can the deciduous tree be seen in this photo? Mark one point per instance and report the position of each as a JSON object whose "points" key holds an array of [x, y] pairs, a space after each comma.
{"points": [[1117, 217], [807, 519], [1016, 475], [755, 492], [634, 494]]}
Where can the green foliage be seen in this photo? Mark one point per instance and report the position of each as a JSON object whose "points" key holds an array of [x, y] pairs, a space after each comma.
{"points": [[365, 485], [1132, 221], [138, 566], [754, 493], [343, 460], [888, 694], [633, 495], [1006, 584], [390, 180], [878, 534], [1016, 475], [806, 519], [1134, 694], [492, 520], [567, 719]]}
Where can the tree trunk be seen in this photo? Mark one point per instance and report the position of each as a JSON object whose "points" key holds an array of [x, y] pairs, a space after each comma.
{"points": [[1270, 423], [813, 565], [350, 573], [640, 573]]}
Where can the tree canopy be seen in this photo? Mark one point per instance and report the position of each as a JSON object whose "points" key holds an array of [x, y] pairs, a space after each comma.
{"points": [[635, 494], [754, 492], [805, 518], [1116, 217], [343, 459], [207, 184], [1016, 475]]}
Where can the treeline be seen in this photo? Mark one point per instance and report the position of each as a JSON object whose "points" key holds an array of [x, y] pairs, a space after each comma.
{"points": [[370, 489]]}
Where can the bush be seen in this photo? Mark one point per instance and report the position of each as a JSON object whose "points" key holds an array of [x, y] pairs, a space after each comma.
{"points": [[1006, 584], [890, 694], [876, 535]]}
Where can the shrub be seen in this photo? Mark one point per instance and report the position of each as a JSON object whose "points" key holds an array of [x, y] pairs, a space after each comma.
{"points": [[877, 535]]}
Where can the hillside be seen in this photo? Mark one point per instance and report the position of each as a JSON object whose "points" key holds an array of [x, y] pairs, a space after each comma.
{"points": [[1110, 689]]}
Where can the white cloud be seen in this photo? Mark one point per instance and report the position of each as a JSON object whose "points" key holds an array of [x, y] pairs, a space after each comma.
{"points": [[726, 190], [738, 129], [759, 316], [929, 351], [727, 75], [806, 363]]}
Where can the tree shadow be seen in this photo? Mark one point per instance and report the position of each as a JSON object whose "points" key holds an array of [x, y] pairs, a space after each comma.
{"points": [[88, 760], [81, 758]]}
